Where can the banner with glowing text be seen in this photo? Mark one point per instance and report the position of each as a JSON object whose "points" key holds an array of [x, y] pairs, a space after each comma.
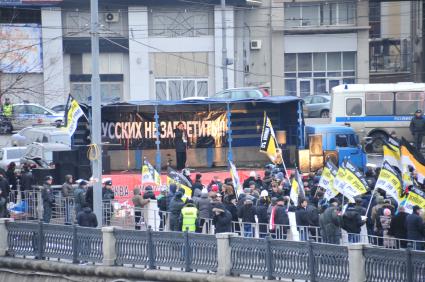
{"points": [[327, 180], [356, 184], [73, 112], [136, 128], [268, 143], [389, 181]]}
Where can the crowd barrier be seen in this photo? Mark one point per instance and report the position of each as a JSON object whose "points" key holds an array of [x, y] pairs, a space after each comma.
{"points": [[224, 254], [30, 208]]}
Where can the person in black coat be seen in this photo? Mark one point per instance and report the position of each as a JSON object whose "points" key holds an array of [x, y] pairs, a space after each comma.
{"points": [[4, 196], [48, 199], [180, 143], [149, 194], [246, 212], [27, 179], [415, 227], [417, 128], [281, 219], [198, 182], [175, 209], [86, 217], [352, 223], [303, 219], [222, 219], [261, 211], [398, 227]]}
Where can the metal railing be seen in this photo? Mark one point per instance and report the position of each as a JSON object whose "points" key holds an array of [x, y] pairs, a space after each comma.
{"points": [[394, 265], [61, 242], [382, 241], [287, 259]]}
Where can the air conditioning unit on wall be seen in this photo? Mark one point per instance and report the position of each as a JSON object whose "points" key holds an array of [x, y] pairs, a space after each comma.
{"points": [[255, 44], [112, 17]]}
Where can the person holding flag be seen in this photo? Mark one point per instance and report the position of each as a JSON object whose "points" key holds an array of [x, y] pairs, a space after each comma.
{"points": [[327, 180], [180, 180], [150, 175]]}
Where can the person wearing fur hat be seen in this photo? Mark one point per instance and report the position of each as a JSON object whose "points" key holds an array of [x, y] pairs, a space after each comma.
{"points": [[222, 219]]}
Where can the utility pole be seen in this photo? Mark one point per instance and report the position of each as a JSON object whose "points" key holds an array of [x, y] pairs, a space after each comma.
{"points": [[96, 118], [224, 45]]}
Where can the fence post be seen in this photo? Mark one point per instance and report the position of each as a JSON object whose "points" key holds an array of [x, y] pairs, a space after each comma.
{"points": [[40, 241], [224, 253], [269, 258], [151, 249], [356, 262], [109, 252], [75, 247], [4, 245], [311, 262], [409, 267], [187, 251]]}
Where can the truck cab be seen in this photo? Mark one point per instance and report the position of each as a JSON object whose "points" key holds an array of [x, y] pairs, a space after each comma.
{"points": [[340, 139]]}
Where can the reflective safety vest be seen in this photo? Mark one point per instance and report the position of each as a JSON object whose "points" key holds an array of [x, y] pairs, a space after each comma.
{"points": [[190, 214], [7, 110]]}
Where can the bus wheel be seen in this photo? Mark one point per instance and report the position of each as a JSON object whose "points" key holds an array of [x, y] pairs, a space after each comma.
{"points": [[377, 142]]}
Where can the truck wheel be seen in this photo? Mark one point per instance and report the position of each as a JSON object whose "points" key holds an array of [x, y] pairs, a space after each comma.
{"points": [[377, 142], [324, 114]]}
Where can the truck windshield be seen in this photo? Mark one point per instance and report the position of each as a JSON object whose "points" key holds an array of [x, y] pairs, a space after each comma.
{"points": [[346, 140]]}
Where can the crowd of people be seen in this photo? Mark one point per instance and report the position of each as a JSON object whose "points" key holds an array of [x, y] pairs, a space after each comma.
{"points": [[265, 202]]}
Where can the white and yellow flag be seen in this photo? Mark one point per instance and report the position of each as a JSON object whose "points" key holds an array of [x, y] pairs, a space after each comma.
{"points": [[389, 181], [73, 112], [327, 180], [392, 153], [356, 184], [235, 179], [150, 175], [269, 143]]}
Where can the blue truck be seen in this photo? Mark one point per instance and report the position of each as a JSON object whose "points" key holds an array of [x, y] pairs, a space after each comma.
{"points": [[342, 140]]}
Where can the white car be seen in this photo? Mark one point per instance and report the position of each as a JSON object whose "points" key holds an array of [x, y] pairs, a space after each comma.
{"points": [[27, 114], [11, 154], [41, 134]]}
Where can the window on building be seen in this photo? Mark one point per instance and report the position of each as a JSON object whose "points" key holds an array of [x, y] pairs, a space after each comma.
{"points": [[379, 104], [180, 22], [180, 88], [319, 14], [109, 91], [408, 102], [353, 107], [13, 15], [325, 70]]}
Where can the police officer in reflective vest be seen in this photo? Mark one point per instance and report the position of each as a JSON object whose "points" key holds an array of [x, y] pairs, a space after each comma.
{"points": [[189, 216], [7, 108]]}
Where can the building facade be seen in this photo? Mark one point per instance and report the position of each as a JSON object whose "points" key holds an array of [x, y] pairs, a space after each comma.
{"points": [[171, 49]]}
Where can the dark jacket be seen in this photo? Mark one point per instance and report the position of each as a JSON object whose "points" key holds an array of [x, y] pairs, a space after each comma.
{"points": [[27, 180], [178, 141], [4, 188], [197, 185], [162, 203], [79, 199], [249, 179], [398, 226], [233, 211], [175, 209], [11, 177], [415, 227], [302, 217], [89, 197], [417, 125], [87, 218], [107, 194], [330, 224], [67, 190], [149, 195], [261, 211], [281, 219], [47, 196], [247, 212], [352, 220], [223, 222], [203, 205]]}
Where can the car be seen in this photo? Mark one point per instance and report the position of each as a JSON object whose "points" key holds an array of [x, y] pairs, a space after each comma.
{"points": [[242, 93], [317, 106], [60, 109], [42, 134], [28, 114], [11, 154]]}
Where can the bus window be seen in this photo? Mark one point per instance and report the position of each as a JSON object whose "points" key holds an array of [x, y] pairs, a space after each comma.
{"points": [[379, 104], [408, 102], [353, 107], [341, 140]]}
